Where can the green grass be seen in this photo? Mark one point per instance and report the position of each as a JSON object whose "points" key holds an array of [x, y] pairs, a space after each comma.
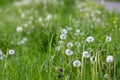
{"points": [[38, 59]]}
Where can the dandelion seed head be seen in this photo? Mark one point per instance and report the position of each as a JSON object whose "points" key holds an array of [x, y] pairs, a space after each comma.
{"points": [[19, 29], [93, 59], [68, 52], [63, 36], [57, 48], [25, 39], [11, 52], [86, 54], [76, 63], [109, 58], [108, 39], [90, 39], [63, 31], [69, 45], [77, 32], [106, 76]]}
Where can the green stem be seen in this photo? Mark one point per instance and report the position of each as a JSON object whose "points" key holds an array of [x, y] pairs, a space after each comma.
{"points": [[114, 70], [69, 61], [82, 67], [109, 71], [5, 64], [93, 72], [96, 65]]}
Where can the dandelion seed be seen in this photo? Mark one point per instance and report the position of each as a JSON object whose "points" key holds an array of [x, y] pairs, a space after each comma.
{"points": [[19, 29], [76, 63], [90, 39], [63, 36], [86, 54], [69, 45], [108, 39], [109, 59], [11, 52], [68, 52]]}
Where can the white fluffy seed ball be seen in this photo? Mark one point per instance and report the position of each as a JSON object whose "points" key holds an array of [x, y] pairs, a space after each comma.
{"points": [[86, 54], [19, 29], [11, 52], [90, 39], [109, 58], [63, 36], [68, 52], [76, 63]]}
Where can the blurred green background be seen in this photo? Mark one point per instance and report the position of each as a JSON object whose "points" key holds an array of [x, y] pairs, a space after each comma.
{"points": [[5, 2]]}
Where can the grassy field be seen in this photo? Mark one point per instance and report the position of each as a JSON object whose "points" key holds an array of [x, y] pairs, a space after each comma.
{"points": [[58, 40]]}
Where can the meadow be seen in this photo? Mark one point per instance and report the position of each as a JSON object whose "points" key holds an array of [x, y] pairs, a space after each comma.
{"points": [[58, 40]]}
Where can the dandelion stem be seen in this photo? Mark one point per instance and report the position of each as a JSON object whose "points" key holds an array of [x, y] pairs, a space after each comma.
{"points": [[5, 64], [96, 65], [82, 66], [107, 48], [114, 70], [69, 61], [78, 73], [93, 72], [109, 71], [99, 66]]}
